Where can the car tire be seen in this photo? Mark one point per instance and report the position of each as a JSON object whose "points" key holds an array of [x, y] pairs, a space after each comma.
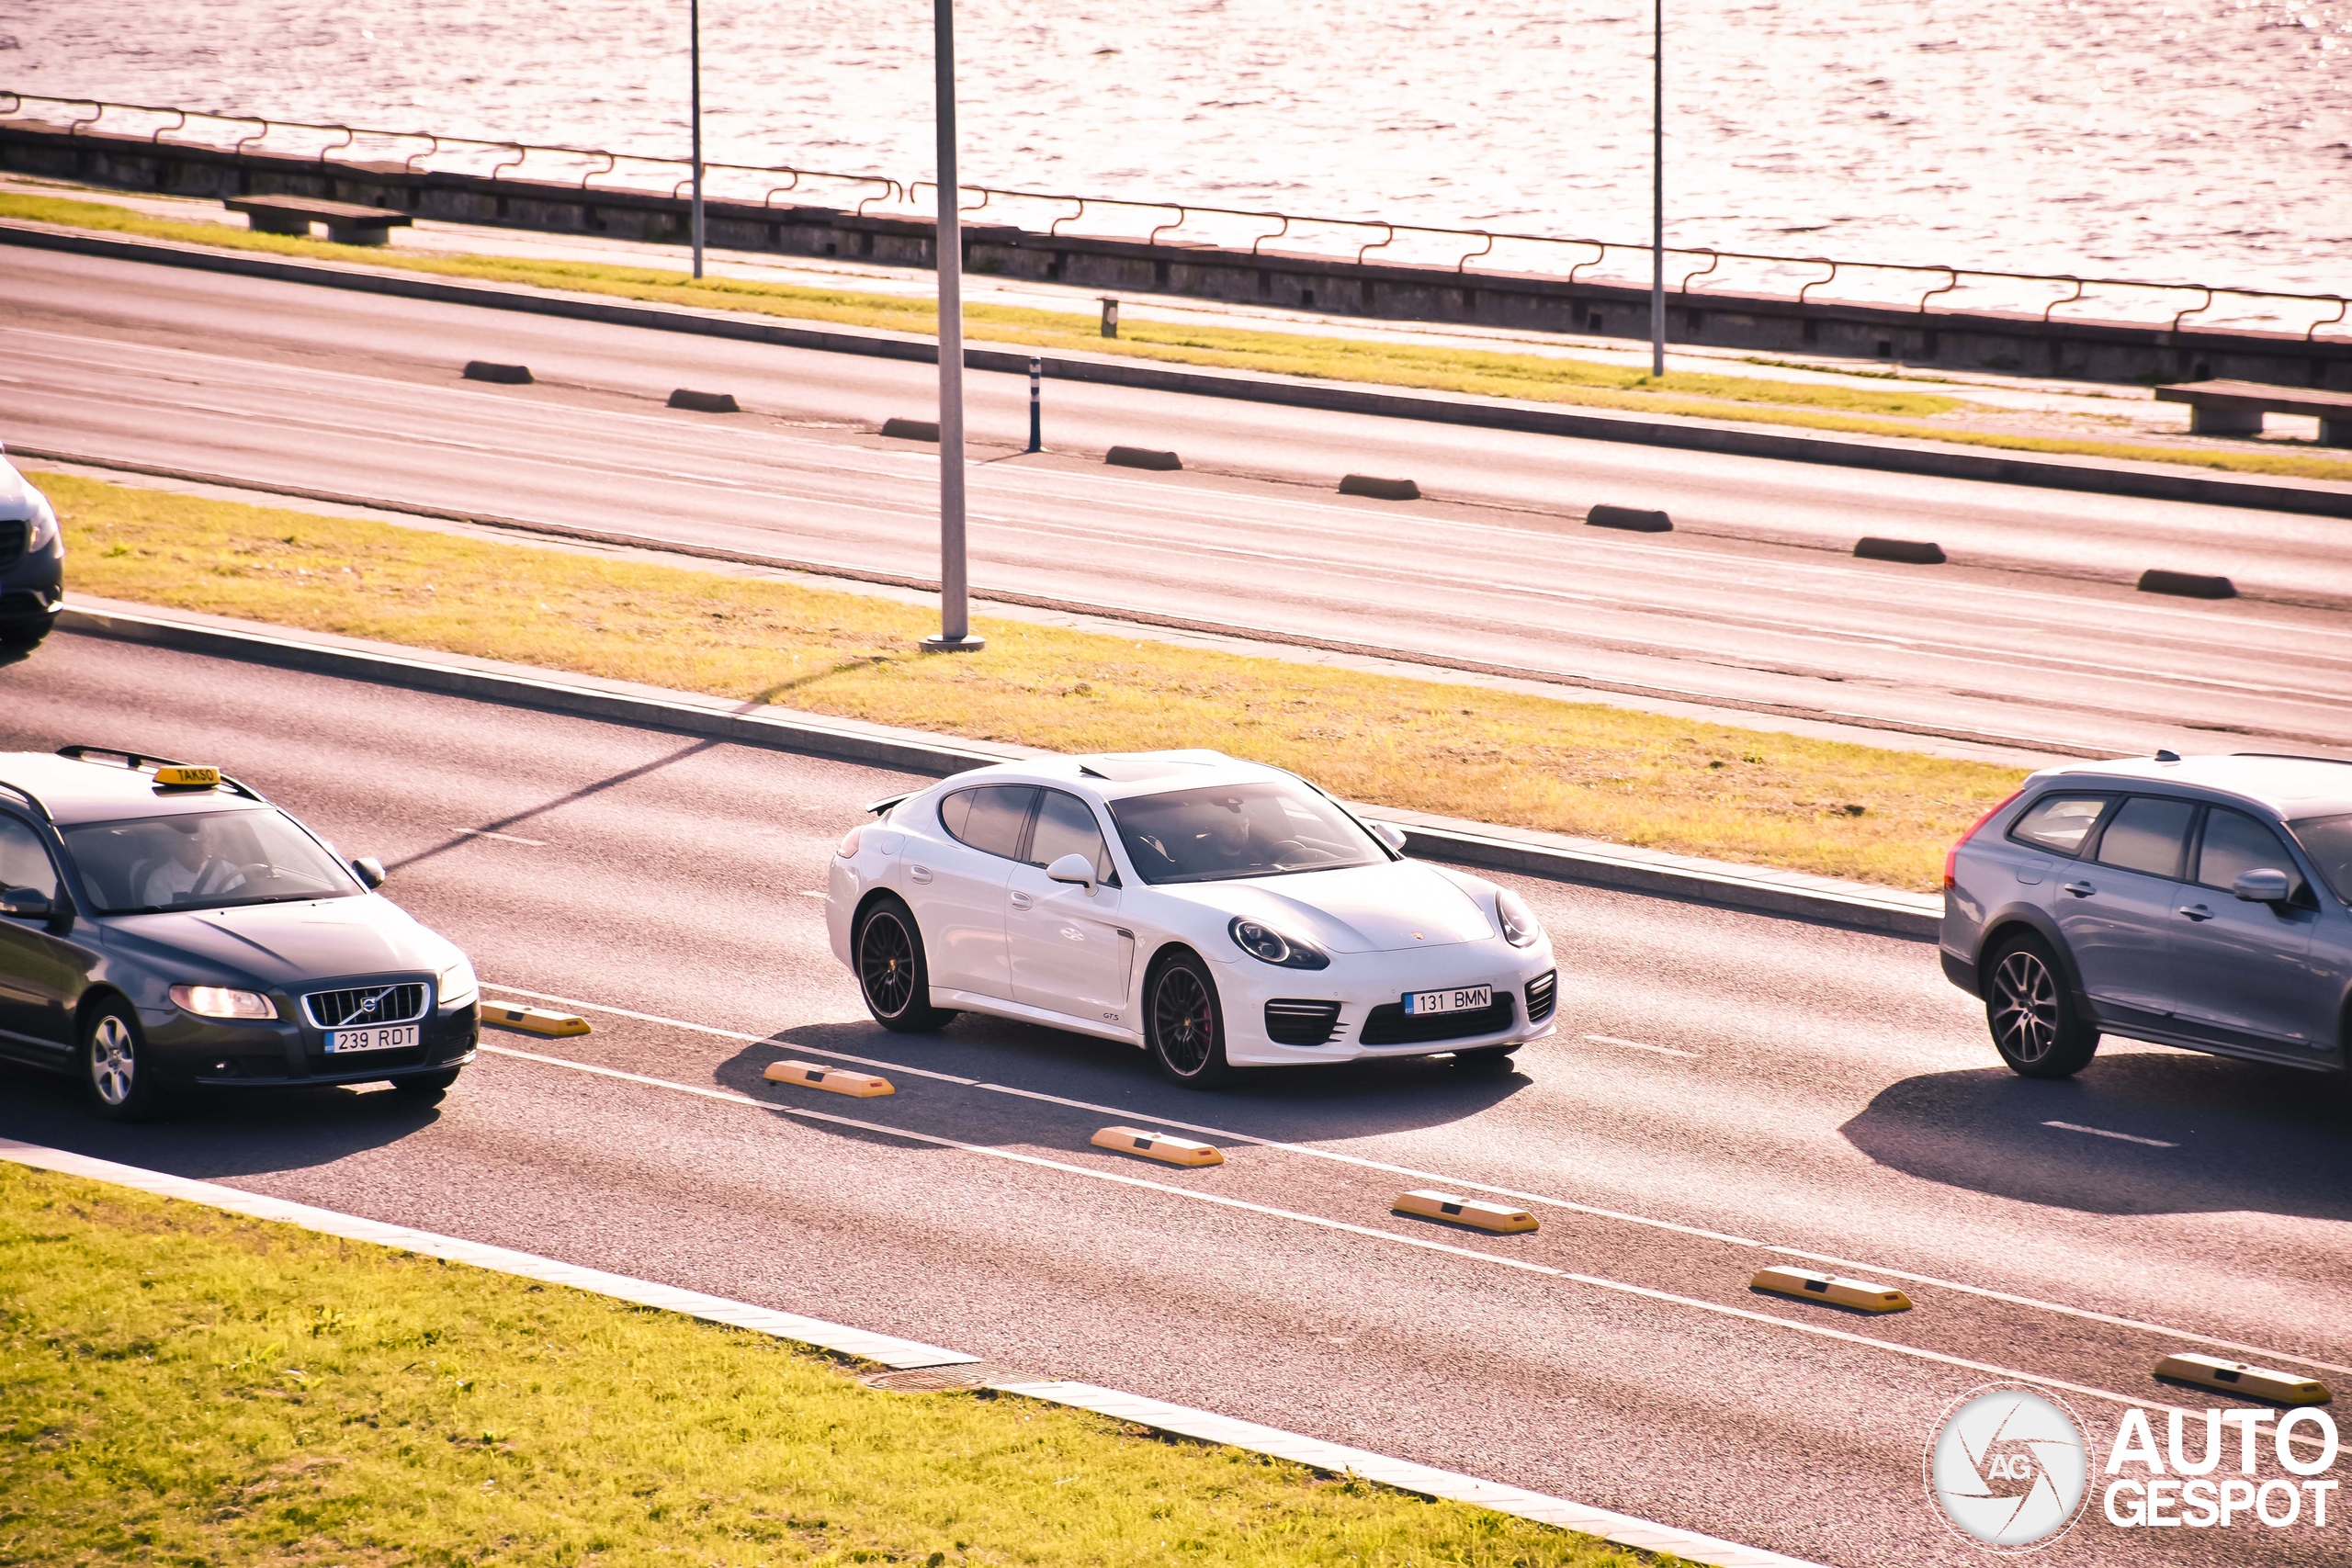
{"points": [[427, 1087], [1184, 1024], [893, 975], [2037, 1026], [1492, 1062], [23, 639], [117, 1075]]}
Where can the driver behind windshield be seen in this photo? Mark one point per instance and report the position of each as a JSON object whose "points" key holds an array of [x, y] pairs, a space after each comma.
{"points": [[185, 869]]}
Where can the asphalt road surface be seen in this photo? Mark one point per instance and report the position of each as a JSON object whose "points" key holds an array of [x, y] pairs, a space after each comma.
{"points": [[1725, 1092], [1752, 600]]}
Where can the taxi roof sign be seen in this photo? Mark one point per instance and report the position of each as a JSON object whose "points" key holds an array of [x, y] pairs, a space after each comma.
{"points": [[180, 775]]}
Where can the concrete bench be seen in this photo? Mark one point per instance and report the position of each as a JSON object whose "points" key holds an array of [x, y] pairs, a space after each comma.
{"points": [[2236, 408], [347, 222]]}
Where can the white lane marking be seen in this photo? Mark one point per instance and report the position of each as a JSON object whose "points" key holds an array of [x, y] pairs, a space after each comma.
{"points": [[1637, 1046], [2118, 1138], [1229, 1136], [507, 837], [1039, 1160], [812, 893], [1594, 1280]]}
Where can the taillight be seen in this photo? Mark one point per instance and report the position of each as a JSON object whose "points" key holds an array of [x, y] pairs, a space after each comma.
{"points": [[848, 846], [1951, 855]]}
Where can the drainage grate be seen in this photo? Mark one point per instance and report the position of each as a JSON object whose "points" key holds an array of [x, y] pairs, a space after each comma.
{"points": [[949, 1379]]}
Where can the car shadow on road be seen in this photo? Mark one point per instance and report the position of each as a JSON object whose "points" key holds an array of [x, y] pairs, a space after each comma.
{"points": [[206, 1136], [2198, 1134], [1352, 1100]]}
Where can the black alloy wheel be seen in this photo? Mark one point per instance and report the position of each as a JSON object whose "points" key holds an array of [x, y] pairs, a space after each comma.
{"points": [[891, 972], [2036, 1026], [115, 1079], [1187, 1030]]}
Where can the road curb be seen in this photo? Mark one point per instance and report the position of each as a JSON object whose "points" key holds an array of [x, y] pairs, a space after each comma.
{"points": [[1758, 890], [1332, 1458], [2150, 482]]}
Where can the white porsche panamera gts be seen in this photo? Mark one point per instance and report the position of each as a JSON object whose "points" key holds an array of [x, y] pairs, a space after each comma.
{"points": [[1218, 914]]}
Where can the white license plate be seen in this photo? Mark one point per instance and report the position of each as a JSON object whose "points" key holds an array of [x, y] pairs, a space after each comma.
{"points": [[1469, 998], [342, 1040]]}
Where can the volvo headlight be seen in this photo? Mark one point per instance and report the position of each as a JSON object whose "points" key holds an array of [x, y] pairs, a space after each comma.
{"points": [[1520, 927], [1267, 945], [457, 985], [43, 530], [220, 1001]]}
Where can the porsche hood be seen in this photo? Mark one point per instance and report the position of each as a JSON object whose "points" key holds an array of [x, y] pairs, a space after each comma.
{"points": [[1394, 906]]}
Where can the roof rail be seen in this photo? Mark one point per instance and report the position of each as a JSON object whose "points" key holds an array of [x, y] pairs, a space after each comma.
{"points": [[32, 801], [139, 762], [2293, 756]]}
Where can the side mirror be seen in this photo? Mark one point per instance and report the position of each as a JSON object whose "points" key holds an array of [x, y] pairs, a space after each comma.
{"points": [[2262, 885], [1388, 833], [1075, 869], [26, 904], [369, 870]]}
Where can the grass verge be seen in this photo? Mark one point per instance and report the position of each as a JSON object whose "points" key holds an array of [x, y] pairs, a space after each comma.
{"points": [[189, 1387], [1537, 761], [1534, 378]]}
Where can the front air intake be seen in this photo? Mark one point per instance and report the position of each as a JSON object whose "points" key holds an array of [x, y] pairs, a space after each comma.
{"points": [[1301, 1022]]}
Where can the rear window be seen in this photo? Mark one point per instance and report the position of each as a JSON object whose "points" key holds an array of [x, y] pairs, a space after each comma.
{"points": [[989, 819], [2149, 834], [2060, 823], [2328, 840]]}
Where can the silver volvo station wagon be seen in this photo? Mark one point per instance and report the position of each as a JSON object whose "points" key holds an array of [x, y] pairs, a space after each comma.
{"points": [[2203, 902]]}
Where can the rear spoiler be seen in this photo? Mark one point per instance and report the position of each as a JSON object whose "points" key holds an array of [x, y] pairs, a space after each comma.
{"points": [[879, 806]]}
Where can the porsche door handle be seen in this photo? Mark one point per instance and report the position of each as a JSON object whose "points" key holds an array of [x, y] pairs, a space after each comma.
{"points": [[1022, 900], [2079, 890], [2196, 911], [919, 872]]}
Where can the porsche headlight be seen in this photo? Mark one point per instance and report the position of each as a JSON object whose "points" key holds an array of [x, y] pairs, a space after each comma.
{"points": [[1267, 945], [457, 985], [220, 1001], [1520, 927]]}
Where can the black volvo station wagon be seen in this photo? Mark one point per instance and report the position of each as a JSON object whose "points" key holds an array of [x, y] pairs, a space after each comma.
{"points": [[164, 927]]}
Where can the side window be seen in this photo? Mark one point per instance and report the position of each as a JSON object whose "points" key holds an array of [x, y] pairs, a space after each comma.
{"points": [[989, 819], [1066, 826], [2059, 823], [2148, 835], [2235, 844], [23, 862]]}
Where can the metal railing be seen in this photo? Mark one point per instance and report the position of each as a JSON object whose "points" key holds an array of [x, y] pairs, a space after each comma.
{"points": [[1897, 285]]}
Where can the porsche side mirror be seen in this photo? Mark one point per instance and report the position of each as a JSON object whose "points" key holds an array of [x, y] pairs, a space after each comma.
{"points": [[2262, 885], [1389, 834], [26, 904], [1075, 869], [369, 870]]}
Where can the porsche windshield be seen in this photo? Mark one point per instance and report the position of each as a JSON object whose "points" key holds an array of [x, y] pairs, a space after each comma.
{"points": [[204, 861], [1232, 831]]}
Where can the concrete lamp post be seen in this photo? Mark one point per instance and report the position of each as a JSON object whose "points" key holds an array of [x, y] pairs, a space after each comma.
{"points": [[1658, 188], [694, 112], [954, 594]]}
